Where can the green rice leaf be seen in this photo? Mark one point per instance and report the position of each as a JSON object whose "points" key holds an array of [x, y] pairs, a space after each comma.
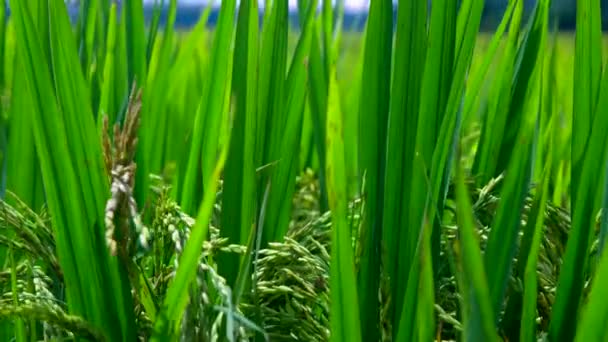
{"points": [[318, 106], [486, 163], [574, 270], [476, 304], [203, 150], [587, 77], [534, 227], [168, 320], [74, 180], [373, 119], [594, 317], [107, 104], [502, 241], [282, 179], [528, 57], [410, 48], [271, 84], [136, 41], [344, 319], [239, 179], [479, 76]]}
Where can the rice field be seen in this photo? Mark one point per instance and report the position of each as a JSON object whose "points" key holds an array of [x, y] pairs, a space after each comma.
{"points": [[259, 181]]}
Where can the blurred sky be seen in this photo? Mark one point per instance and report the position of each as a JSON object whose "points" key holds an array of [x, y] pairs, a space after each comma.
{"points": [[352, 5]]}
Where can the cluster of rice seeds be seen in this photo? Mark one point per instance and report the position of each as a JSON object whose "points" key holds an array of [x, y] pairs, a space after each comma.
{"points": [[121, 207], [171, 229], [292, 288], [31, 233], [292, 277], [36, 302], [71, 326], [552, 249]]}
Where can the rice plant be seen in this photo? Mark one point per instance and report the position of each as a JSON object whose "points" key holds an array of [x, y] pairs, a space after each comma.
{"points": [[265, 180]]}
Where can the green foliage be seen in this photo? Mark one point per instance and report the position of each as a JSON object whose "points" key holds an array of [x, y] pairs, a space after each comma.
{"points": [[418, 181]]}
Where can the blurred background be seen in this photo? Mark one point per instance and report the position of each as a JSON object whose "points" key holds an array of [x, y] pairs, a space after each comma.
{"points": [[562, 14]]}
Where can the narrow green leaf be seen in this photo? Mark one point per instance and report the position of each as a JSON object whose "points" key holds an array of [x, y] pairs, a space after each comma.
{"points": [[282, 178], [203, 149], [486, 163], [107, 106], [318, 106], [410, 48], [23, 174], [478, 318], [344, 320], [3, 39], [175, 301], [373, 116], [74, 180], [592, 325], [534, 227], [271, 83], [437, 77], [528, 57], [155, 117], [502, 240], [574, 269], [154, 26], [239, 178], [587, 76], [477, 78], [425, 315], [136, 40]]}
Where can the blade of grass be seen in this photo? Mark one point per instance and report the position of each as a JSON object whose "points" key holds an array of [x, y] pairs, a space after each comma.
{"points": [[203, 152], [154, 26], [425, 314], [283, 177], [239, 188], [66, 142], [155, 118], [592, 324], [23, 168], [502, 240], [468, 23], [271, 83], [318, 106], [477, 78], [418, 308], [344, 319], [410, 48], [373, 116], [175, 301], [438, 87], [327, 16], [437, 78], [485, 164], [107, 104], [476, 304], [534, 227], [189, 66], [587, 76], [528, 56], [3, 44], [573, 273], [136, 41], [75, 104]]}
